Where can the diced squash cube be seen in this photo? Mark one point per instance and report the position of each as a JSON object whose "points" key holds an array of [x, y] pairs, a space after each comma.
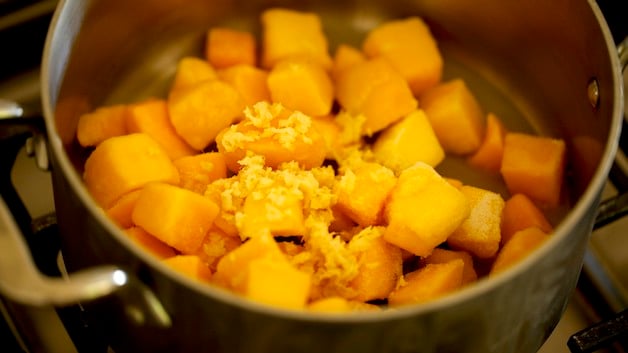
{"points": [[151, 117], [216, 245], [301, 85], [289, 34], [379, 265], [191, 266], [98, 125], [124, 163], [278, 211], [176, 216], [150, 243], [120, 212], [479, 233], [534, 166], [198, 171], [345, 57], [329, 129], [250, 81], [440, 256], [489, 155], [190, 71], [199, 112], [363, 190], [518, 248], [277, 283], [409, 45], [373, 88], [227, 47], [423, 210], [428, 283], [520, 213], [330, 305], [408, 141], [455, 115]]}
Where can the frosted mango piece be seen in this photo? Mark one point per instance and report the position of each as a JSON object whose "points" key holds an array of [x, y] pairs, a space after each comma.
{"points": [[428, 283], [408, 141], [455, 115], [198, 171], [518, 247], [345, 57], [191, 266], [150, 243], [151, 117], [125, 163], [480, 233], [192, 70], [380, 265], [423, 210], [120, 212], [227, 47], [98, 125], [439, 256], [376, 90], [277, 283], [278, 211], [301, 85], [411, 49], [249, 81], [289, 34], [199, 112], [176, 216]]}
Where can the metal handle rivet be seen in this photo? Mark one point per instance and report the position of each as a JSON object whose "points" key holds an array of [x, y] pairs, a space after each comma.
{"points": [[593, 92]]}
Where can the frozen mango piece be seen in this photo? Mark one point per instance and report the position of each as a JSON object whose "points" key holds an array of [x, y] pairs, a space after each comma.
{"points": [[151, 117], [409, 45], [150, 243], [428, 283], [376, 90], [534, 166], [330, 305], [98, 125], [191, 266], [379, 265], [289, 34], [520, 213], [250, 81], [192, 70], [479, 233], [277, 283], [227, 47], [489, 155], [278, 210], [216, 245], [176, 216], [518, 247], [423, 210], [363, 190], [455, 115], [301, 85], [199, 112], [345, 57], [124, 163], [120, 212], [198, 171], [439, 256], [408, 141]]}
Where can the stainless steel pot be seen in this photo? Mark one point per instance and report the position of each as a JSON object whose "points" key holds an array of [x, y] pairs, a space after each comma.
{"points": [[547, 67]]}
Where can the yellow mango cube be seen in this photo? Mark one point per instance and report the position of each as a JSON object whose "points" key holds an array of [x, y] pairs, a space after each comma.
{"points": [[423, 210], [192, 70], [439, 256], [176, 216], [227, 47], [480, 233], [428, 283], [216, 245], [191, 266], [330, 130], [409, 45], [345, 57], [408, 141], [249, 81], [455, 115], [278, 211], [121, 210], [122, 164], [330, 305], [518, 247], [150, 243], [198, 171], [277, 283], [98, 125]]}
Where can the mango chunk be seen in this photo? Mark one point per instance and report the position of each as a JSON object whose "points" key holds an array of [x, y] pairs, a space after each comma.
{"points": [[198, 171], [376, 90], [315, 89], [428, 283], [150, 243], [480, 233], [124, 163], [151, 117], [490, 153], [409, 45], [249, 81], [277, 283], [190, 71], [227, 47], [216, 245], [330, 305], [98, 125], [191, 266], [534, 166], [455, 115], [176, 216], [278, 211], [345, 57], [408, 141], [423, 210], [120, 212], [518, 247], [330, 130], [520, 213], [440, 256], [289, 34], [199, 112]]}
